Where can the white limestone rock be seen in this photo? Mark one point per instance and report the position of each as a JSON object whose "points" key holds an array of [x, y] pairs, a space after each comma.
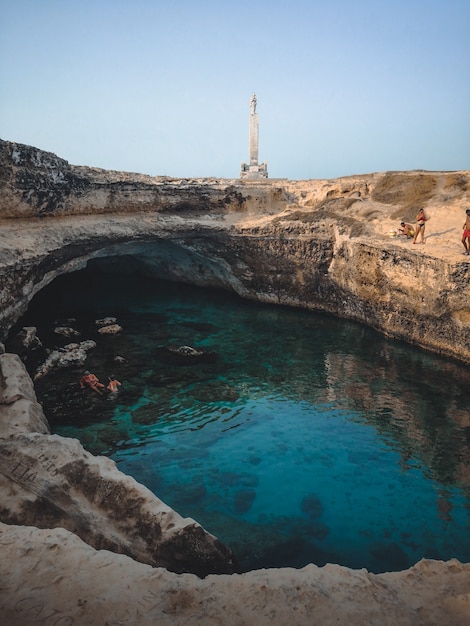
{"points": [[70, 355], [51, 481], [19, 410], [53, 573], [15, 382]]}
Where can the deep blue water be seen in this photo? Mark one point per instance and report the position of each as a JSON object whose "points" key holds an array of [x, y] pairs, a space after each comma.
{"points": [[300, 438]]}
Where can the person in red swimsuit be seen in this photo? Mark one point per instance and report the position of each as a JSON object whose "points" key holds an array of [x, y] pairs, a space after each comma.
{"points": [[466, 233], [92, 381]]}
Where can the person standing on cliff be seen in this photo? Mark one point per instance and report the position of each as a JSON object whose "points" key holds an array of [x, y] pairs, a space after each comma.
{"points": [[466, 234], [420, 224]]}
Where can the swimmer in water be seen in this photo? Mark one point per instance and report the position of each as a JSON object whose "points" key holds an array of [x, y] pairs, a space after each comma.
{"points": [[113, 384]]}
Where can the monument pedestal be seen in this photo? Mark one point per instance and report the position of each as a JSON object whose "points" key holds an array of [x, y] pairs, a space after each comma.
{"points": [[254, 171]]}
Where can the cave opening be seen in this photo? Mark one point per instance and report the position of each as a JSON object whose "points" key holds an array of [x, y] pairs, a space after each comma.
{"points": [[292, 436]]}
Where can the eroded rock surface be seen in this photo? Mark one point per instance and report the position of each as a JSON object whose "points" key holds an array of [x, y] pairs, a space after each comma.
{"points": [[55, 574], [70, 354], [321, 245], [19, 410]]}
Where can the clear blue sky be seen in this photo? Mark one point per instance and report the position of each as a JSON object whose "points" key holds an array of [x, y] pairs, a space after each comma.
{"points": [[163, 86]]}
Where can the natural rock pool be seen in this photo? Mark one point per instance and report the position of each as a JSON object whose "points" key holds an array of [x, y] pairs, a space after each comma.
{"points": [[294, 438]]}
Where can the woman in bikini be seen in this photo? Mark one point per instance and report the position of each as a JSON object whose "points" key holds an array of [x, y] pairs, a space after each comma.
{"points": [[466, 233], [420, 224]]}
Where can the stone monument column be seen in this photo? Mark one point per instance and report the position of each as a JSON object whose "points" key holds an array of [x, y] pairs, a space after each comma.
{"points": [[253, 169], [254, 132]]}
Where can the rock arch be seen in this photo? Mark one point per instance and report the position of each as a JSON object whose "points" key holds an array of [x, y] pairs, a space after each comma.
{"points": [[184, 256]]}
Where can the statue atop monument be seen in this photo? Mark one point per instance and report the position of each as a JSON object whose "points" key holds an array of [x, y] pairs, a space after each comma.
{"points": [[253, 169], [253, 102]]}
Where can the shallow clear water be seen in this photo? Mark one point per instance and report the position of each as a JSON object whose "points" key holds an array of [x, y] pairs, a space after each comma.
{"points": [[301, 439]]}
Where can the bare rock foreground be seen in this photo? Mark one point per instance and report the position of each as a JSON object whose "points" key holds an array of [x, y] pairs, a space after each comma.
{"points": [[52, 577]]}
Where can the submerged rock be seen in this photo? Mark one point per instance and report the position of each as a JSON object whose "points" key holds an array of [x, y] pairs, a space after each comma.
{"points": [[147, 414], [217, 391], [112, 329], [186, 355], [312, 506], [66, 331], [243, 500], [106, 321], [185, 351], [72, 354]]}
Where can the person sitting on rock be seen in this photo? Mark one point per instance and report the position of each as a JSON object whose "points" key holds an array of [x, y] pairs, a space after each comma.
{"points": [[407, 230], [113, 384], [91, 381]]}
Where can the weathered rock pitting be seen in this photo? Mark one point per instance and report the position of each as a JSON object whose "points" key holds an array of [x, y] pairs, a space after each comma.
{"points": [[112, 589], [35, 183]]}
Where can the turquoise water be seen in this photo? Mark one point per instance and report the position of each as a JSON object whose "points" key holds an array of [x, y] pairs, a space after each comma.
{"points": [[297, 438]]}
